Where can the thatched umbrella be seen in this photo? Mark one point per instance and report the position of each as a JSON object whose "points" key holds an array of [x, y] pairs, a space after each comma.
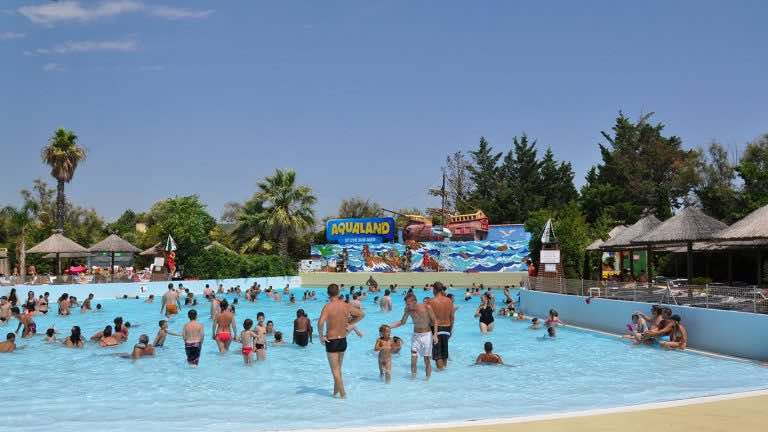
{"points": [[112, 245], [688, 226], [623, 239], [753, 228], [155, 250], [57, 244]]}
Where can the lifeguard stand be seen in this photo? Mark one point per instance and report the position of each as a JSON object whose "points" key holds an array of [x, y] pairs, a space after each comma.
{"points": [[550, 276]]}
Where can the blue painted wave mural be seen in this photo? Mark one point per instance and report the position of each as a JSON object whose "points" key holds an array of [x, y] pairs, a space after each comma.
{"points": [[505, 252]]}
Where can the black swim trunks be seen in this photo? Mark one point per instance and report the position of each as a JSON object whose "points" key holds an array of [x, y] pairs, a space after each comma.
{"points": [[336, 345], [301, 338], [440, 350], [193, 352]]}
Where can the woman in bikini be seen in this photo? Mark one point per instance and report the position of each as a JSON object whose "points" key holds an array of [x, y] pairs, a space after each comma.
{"points": [[107, 339]]}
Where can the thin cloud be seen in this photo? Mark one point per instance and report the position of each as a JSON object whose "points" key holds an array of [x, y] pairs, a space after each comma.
{"points": [[73, 47], [71, 10], [172, 13], [53, 67], [11, 35]]}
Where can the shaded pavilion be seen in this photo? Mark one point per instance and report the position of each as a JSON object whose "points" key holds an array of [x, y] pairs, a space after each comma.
{"points": [[112, 245], [57, 244], [688, 226], [622, 242]]}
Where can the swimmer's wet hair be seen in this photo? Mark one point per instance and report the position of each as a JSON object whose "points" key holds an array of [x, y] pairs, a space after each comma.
{"points": [[333, 290], [247, 324], [192, 314]]}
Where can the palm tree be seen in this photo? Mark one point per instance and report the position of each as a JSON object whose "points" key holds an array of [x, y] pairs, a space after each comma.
{"points": [[287, 208], [250, 233], [63, 155], [19, 221]]}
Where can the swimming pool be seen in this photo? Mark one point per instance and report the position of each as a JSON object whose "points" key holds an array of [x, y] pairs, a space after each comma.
{"points": [[85, 390]]}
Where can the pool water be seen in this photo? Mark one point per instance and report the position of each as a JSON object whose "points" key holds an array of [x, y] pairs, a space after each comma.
{"points": [[84, 390]]}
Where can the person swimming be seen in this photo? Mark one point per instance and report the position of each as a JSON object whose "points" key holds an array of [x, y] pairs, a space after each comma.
{"points": [[489, 357]]}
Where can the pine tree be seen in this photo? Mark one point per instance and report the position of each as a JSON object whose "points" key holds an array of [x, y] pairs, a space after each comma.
{"points": [[483, 173]]}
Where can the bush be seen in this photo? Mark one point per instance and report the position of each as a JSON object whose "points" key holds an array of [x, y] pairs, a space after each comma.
{"points": [[218, 263]]}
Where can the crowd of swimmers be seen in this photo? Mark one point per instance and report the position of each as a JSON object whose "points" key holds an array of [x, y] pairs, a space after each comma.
{"points": [[432, 320]]}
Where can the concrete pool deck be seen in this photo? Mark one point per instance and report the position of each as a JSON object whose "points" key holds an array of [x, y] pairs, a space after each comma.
{"points": [[737, 413]]}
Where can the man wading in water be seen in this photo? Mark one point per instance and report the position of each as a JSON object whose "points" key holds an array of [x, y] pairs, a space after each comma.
{"points": [[332, 328], [444, 314], [424, 331]]}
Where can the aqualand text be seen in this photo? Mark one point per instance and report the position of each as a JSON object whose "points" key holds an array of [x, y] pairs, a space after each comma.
{"points": [[376, 228]]}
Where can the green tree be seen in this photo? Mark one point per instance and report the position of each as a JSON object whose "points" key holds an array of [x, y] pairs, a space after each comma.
{"points": [[716, 190], [16, 224], [250, 231], [556, 185], [520, 181], [63, 155], [288, 208], [186, 219], [641, 170], [458, 182], [572, 232], [358, 207], [753, 170], [484, 175]]}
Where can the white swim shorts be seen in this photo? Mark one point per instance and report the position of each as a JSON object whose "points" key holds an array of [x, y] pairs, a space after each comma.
{"points": [[421, 344]]}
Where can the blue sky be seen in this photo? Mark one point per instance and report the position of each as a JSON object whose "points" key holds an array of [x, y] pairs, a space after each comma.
{"points": [[361, 98]]}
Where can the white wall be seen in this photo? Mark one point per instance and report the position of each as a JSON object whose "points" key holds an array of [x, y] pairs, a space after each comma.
{"points": [[113, 290], [738, 334]]}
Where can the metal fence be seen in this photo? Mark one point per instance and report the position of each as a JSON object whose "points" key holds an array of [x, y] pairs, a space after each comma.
{"points": [[142, 276], [666, 291]]}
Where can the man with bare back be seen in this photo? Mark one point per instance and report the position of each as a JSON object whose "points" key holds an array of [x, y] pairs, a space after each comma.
{"points": [[336, 319], [424, 331], [170, 303], [444, 314]]}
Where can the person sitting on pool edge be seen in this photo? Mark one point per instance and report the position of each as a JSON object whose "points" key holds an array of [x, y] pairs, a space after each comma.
{"points": [[488, 357], [678, 338]]}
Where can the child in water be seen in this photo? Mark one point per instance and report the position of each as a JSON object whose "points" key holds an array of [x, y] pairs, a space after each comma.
{"points": [[247, 336], [554, 319], [50, 335], [162, 333], [384, 347], [535, 324]]}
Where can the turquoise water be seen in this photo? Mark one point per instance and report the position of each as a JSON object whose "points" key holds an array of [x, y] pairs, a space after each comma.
{"points": [[86, 390]]}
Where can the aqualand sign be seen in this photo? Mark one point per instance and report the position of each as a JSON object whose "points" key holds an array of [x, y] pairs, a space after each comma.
{"points": [[369, 230]]}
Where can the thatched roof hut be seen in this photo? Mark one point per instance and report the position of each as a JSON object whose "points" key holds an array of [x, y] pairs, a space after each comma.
{"points": [[754, 226], [114, 243], [623, 239], [595, 245], [155, 250], [68, 255], [57, 244], [687, 226]]}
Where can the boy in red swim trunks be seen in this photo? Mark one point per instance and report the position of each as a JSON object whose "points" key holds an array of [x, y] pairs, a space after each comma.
{"points": [[246, 338], [222, 324]]}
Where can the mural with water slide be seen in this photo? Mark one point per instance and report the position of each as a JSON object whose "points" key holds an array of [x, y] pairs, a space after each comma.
{"points": [[505, 249]]}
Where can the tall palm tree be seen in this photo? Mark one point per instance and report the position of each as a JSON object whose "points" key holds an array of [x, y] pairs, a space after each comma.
{"points": [[63, 155], [287, 208]]}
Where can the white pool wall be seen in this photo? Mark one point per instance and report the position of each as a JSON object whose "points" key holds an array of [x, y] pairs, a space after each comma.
{"points": [[738, 334]]}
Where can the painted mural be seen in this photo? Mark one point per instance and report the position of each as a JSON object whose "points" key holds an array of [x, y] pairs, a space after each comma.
{"points": [[505, 251]]}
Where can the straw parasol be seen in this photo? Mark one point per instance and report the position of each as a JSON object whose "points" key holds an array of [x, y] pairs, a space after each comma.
{"points": [[112, 245], [155, 250], [754, 226], [623, 239], [688, 226], [57, 244]]}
